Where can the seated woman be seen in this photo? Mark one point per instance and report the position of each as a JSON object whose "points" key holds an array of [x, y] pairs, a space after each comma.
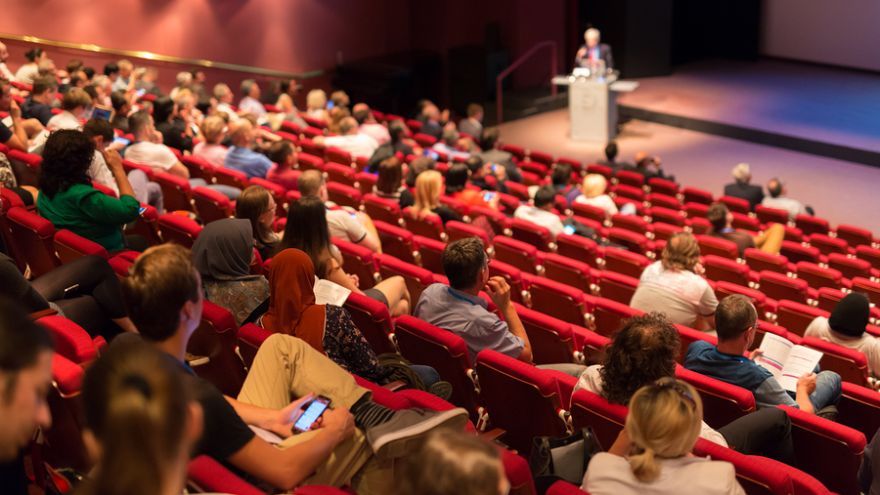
{"points": [[593, 194], [651, 454], [846, 328], [316, 103], [222, 254], [142, 422], [68, 200], [287, 111], [643, 351], [457, 186], [257, 205], [429, 184], [389, 184], [214, 131], [85, 291], [327, 328], [307, 231]]}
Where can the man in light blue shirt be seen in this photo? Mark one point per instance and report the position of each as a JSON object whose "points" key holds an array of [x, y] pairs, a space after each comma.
{"points": [[250, 101], [242, 157]]}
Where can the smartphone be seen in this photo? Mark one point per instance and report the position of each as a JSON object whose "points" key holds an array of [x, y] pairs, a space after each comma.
{"points": [[488, 196], [313, 411], [494, 168], [141, 210], [330, 105], [141, 92], [568, 229], [121, 140], [101, 113]]}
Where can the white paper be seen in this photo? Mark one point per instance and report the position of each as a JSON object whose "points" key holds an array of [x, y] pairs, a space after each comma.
{"points": [[266, 435], [327, 292], [775, 351], [785, 361]]}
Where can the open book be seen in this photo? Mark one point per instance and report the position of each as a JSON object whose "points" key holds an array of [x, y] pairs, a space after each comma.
{"points": [[327, 292], [786, 361]]}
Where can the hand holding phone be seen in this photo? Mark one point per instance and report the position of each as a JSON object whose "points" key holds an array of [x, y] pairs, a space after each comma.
{"points": [[312, 412]]}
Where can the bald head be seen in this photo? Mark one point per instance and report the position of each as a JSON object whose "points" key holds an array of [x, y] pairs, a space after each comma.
{"points": [[348, 125], [243, 133]]}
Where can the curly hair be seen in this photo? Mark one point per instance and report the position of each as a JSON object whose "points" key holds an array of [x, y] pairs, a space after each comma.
{"points": [[643, 351], [682, 252], [66, 160]]}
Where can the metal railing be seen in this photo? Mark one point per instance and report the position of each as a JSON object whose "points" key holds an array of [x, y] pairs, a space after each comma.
{"points": [[499, 92]]}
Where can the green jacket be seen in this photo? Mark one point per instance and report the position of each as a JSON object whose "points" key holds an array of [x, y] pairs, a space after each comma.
{"points": [[90, 213]]}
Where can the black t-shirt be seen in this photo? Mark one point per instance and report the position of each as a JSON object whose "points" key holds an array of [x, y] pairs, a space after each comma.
{"points": [[5, 133], [446, 214], [31, 109], [12, 477]]}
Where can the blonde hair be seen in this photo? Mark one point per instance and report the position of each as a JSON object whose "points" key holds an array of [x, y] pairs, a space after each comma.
{"points": [[284, 103], [74, 98], [664, 421], [428, 186], [594, 185], [451, 463], [212, 128], [742, 172], [682, 252], [125, 64], [241, 133], [316, 99]]}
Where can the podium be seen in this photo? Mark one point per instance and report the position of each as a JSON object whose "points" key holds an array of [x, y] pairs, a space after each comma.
{"points": [[592, 106]]}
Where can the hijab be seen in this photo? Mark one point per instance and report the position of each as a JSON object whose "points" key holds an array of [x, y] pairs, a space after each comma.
{"points": [[224, 250], [292, 308], [850, 316]]}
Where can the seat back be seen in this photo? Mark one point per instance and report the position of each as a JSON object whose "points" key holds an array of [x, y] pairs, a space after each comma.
{"points": [[812, 225], [771, 215], [617, 287], [336, 155], [342, 174], [33, 238], [625, 262], [431, 252], [207, 475], [567, 271], [859, 408], [216, 338], [736, 205], [855, 236], [850, 364], [796, 317], [518, 289], [344, 195], [724, 289], [517, 253], [530, 233], [636, 243], [577, 248], [430, 226], [211, 205], [505, 381], [778, 286], [551, 339], [757, 475], [817, 276], [199, 168], [70, 246], [722, 402], [179, 229], [869, 287], [456, 230], [669, 204], [382, 209], [589, 211], [372, 318], [559, 301], [358, 260], [759, 261], [688, 336], [634, 193], [717, 246], [828, 245], [65, 405], [694, 195], [606, 419], [718, 268], [667, 215], [795, 252], [849, 267], [176, 192], [398, 242], [417, 278], [631, 222]]}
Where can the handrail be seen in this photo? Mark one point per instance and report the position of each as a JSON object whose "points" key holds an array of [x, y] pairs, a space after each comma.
{"points": [[198, 62], [519, 61]]}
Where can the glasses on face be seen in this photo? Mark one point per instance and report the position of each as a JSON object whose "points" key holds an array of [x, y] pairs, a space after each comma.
{"points": [[674, 384]]}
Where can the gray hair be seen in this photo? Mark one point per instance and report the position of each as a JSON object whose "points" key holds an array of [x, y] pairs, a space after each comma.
{"points": [[742, 172]]}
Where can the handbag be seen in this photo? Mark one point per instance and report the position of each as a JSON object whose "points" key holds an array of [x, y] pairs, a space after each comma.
{"points": [[564, 458]]}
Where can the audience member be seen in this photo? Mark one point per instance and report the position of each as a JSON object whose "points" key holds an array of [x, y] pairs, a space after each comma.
{"points": [[644, 351], [74, 105], [340, 98], [25, 381], [307, 231], [359, 145], [779, 199], [648, 166], [257, 205], [429, 185], [846, 328], [593, 193], [653, 451], [449, 146], [611, 152], [769, 241], [16, 136], [492, 154], [241, 155], [283, 155], [176, 131], [346, 224], [316, 105], [198, 86], [250, 101], [211, 149], [368, 125], [389, 184], [416, 167], [145, 81], [675, 287], [560, 179], [29, 72], [451, 463], [336, 115], [395, 145], [457, 179], [737, 323], [68, 200], [740, 188], [358, 439], [184, 82], [473, 124], [121, 109], [5, 73], [125, 77], [223, 96], [433, 121], [540, 211], [39, 104], [223, 253], [111, 70], [287, 112]]}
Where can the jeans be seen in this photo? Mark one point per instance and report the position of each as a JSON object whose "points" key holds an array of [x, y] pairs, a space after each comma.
{"points": [[828, 390], [230, 192], [428, 374]]}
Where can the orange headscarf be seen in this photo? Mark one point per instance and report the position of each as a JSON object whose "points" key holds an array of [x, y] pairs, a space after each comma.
{"points": [[292, 308]]}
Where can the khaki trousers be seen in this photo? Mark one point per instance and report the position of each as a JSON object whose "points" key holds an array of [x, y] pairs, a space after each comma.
{"points": [[770, 241]]}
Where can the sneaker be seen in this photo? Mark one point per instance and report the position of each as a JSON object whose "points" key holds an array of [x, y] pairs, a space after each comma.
{"points": [[397, 436], [441, 389]]}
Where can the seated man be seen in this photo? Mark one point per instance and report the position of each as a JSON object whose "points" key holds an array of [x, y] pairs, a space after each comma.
{"points": [[368, 125], [224, 97], [250, 101], [350, 140], [241, 155], [39, 104], [769, 241], [356, 440], [491, 154], [741, 188], [473, 124], [449, 145], [433, 120], [457, 181], [344, 223], [780, 201], [540, 212], [736, 322], [486, 176]]}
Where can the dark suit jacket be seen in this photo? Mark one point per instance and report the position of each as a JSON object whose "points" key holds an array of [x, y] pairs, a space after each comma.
{"points": [[751, 193], [604, 54]]}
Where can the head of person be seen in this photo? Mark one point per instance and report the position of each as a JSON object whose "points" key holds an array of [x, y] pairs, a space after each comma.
{"points": [[340, 99], [213, 129], [643, 351], [285, 103], [431, 112], [475, 165], [5, 94], [289, 87], [594, 185], [76, 101], [736, 321], [336, 116], [34, 55], [140, 124], [73, 66], [283, 153], [257, 205], [719, 216], [489, 138], [125, 68], [242, 134], [44, 90], [120, 103], [67, 156], [292, 308], [198, 75], [141, 421], [163, 109], [4, 52], [361, 112], [222, 93], [561, 175], [316, 99], [89, 72], [348, 126], [99, 131], [545, 198], [475, 111], [311, 184], [453, 463], [25, 378], [416, 167], [150, 74], [250, 88], [682, 252], [775, 188], [184, 79], [397, 131], [466, 264], [457, 178], [611, 151], [224, 250], [429, 185], [163, 293], [450, 137], [390, 176], [307, 230], [111, 70], [663, 422], [592, 37], [46, 67], [851, 315], [742, 173]]}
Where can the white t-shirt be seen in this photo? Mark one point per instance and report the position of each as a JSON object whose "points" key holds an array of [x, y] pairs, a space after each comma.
{"points": [[27, 73], [609, 474], [153, 154], [541, 218], [376, 131], [5, 73], [866, 344], [215, 154], [356, 144], [591, 381], [345, 225], [792, 206], [681, 295], [100, 172], [230, 113], [64, 120], [603, 201]]}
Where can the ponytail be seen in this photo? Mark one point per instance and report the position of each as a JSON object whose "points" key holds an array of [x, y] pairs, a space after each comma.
{"points": [[644, 465]]}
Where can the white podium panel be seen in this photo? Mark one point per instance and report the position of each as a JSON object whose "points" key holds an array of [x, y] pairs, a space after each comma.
{"points": [[592, 106]]}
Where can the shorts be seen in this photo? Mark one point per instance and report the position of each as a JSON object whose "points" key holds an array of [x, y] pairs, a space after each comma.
{"points": [[377, 295]]}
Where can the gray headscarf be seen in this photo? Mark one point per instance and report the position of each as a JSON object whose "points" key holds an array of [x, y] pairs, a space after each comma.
{"points": [[223, 250]]}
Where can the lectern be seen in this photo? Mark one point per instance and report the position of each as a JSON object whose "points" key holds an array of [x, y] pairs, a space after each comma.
{"points": [[592, 105]]}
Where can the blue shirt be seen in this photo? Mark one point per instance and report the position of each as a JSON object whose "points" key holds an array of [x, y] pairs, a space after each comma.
{"points": [[248, 161], [468, 317]]}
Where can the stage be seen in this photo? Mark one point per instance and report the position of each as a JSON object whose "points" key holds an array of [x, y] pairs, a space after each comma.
{"points": [[733, 96]]}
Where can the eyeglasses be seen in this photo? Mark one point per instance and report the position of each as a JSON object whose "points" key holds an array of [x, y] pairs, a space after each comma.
{"points": [[674, 384]]}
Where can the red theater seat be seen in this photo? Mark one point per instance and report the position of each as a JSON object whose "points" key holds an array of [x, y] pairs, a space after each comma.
{"points": [[559, 301], [850, 364], [371, 317], [430, 226], [718, 247], [398, 242], [567, 271], [383, 210], [552, 340], [32, 236], [179, 229], [616, 286], [211, 205], [771, 215], [777, 286], [344, 195], [358, 260], [519, 254], [417, 278], [609, 315], [796, 317], [855, 236]]}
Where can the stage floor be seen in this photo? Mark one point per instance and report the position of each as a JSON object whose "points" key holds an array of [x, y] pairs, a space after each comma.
{"points": [[842, 192], [819, 104]]}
